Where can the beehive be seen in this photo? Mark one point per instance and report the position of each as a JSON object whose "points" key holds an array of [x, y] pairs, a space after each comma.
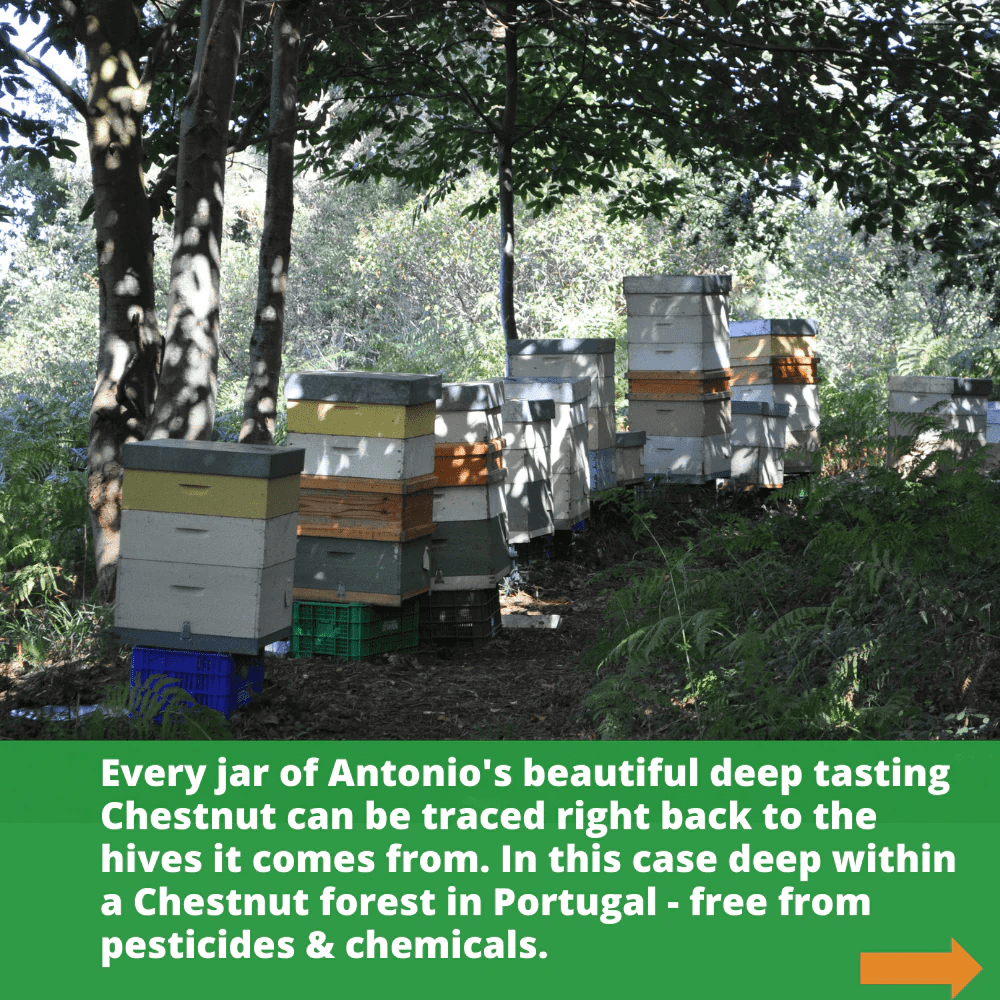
{"points": [[568, 446], [679, 373], [629, 469], [207, 545], [936, 413], [527, 439], [758, 440], [470, 542], [570, 358], [366, 504]]}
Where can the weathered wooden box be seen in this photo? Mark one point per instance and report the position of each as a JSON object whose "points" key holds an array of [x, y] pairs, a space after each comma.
{"points": [[936, 413], [467, 503], [681, 417], [688, 459], [459, 464], [530, 509], [677, 309], [206, 557], [361, 404], [678, 357], [371, 509], [658, 385], [629, 469], [569, 430], [468, 412], [372, 572], [469, 555], [758, 440], [366, 457]]}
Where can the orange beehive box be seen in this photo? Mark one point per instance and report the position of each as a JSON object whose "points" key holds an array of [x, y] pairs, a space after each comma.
{"points": [[658, 384], [463, 464], [375, 510], [798, 370]]}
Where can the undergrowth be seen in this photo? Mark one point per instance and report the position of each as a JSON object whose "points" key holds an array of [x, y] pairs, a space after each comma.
{"points": [[864, 611]]}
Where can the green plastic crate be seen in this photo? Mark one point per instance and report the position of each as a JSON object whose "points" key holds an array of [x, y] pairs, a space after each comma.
{"points": [[352, 631]]}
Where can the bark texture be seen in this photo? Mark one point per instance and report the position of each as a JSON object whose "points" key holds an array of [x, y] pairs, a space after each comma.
{"points": [[130, 342], [505, 167], [186, 398], [260, 402]]}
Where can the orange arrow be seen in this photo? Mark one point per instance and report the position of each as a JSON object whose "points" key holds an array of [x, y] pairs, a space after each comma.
{"points": [[957, 968]]}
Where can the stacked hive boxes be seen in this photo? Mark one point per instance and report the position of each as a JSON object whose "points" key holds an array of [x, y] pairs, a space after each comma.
{"points": [[679, 374], [469, 550], [775, 361], [527, 435], [569, 358], [568, 447], [367, 487], [629, 447], [993, 435], [206, 562], [759, 443], [936, 413]]}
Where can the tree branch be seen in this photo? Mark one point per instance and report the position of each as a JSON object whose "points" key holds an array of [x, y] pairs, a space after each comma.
{"points": [[78, 103], [166, 36]]}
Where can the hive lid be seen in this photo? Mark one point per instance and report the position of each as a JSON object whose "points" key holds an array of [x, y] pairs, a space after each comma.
{"points": [[630, 439], [677, 284], [559, 390], [469, 396], [527, 411], [364, 387], [564, 345], [761, 408], [214, 458], [941, 385], [777, 327]]}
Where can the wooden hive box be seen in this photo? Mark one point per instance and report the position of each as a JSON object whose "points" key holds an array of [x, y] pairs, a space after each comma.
{"points": [[803, 404], [370, 509], [528, 460], [800, 446], [677, 309], [936, 413], [361, 404], [796, 370], [365, 457], [469, 555], [688, 459], [678, 357], [677, 416], [358, 570], [629, 469], [602, 469], [530, 507], [467, 503], [570, 498], [658, 385], [468, 412], [469, 464], [207, 545], [758, 442], [569, 428]]}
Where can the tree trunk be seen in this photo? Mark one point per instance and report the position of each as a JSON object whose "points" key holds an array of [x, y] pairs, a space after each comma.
{"points": [[260, 402], [186, 397], [130, 342], [505, 145]]}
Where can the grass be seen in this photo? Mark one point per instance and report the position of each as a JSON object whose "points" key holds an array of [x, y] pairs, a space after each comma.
{"points": [[864, 610]]}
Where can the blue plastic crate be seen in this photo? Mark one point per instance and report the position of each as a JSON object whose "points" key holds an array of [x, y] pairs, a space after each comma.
{"points": [[215, 680], [603, 475]]}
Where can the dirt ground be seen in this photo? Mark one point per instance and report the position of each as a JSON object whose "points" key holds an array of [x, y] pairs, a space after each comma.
{"points": [[525, 684]]}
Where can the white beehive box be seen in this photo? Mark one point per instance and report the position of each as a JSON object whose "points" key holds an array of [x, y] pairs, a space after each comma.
{"points": [[629, 446], [758, 441], [527, 440], [678, 309], [956, 408], [688, 459], [208, 537]]}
